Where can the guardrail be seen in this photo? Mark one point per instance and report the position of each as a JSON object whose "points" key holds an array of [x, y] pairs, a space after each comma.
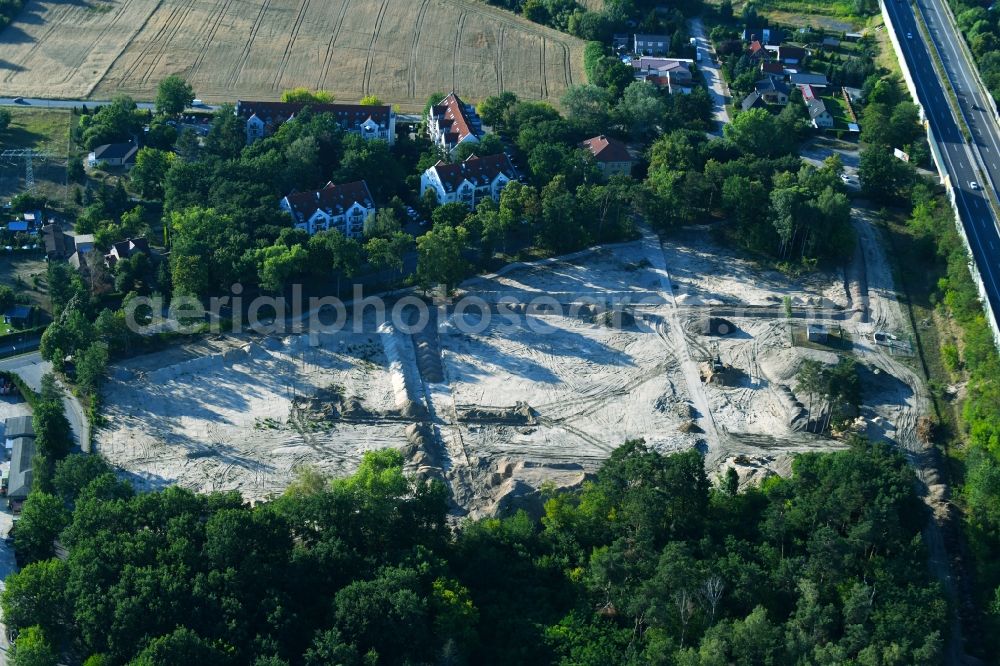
{"points": [[943, 174]]}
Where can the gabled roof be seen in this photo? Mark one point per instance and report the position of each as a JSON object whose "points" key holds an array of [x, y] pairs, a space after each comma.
{"points": [[606, 149], [19, 482], [479, 171], [276, 113], [18, 426], [126, 249], [652, 38], [816, 108], [115, 151], [791, 52], [770, 85], [751, 101], [332, 199], [757, 49], [803, 79], [456, 119], [57, 242], [772, 67], [661, 65]]}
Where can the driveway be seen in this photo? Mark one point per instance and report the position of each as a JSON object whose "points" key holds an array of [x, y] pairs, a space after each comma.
{"points": [[709, 67], [31, 368]]}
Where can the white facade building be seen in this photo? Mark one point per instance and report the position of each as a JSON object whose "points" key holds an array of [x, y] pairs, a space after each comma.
{"points": [[341, 207]]}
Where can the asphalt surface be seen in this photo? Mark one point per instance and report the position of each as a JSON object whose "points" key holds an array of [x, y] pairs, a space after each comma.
{"points": [[709, 67], [30, 367], [959, 159]]}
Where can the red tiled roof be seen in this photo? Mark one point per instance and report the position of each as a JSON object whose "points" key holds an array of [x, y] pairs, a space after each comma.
{"points": [[477, 170], [605, 149], [756, 47], [333, 199], [450, 115]]}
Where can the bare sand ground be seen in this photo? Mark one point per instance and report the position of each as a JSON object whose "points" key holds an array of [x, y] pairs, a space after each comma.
{"points": [[496, 403]]}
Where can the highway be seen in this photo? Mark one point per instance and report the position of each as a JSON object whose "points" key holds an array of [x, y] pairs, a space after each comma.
{"points": [[959, 158]]}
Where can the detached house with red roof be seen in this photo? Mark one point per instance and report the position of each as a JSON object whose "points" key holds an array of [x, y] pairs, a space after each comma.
{"points": [[611, 154], [452, 122], [341, 207], [469, 182], [369, 122]]}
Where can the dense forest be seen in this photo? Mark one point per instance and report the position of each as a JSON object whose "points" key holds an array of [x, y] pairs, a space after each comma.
{"points": [[647, 563]]}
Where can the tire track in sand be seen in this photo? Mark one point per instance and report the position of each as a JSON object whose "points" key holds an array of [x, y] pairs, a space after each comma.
{"points": [[501, 45], [334, 35], [541, 70], [53, 24], [369, 61], [300, 18], [137, 62], [458, 48], [212, 32], [241, 62], [167, 42], [411, 83]]}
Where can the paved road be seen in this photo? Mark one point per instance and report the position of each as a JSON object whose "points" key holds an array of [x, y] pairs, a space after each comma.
{"points": [[976, 106], [709, 67], [31, 368], [977, 217]]}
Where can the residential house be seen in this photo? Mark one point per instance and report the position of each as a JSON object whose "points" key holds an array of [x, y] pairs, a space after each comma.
{"points": [[671, 73], [469, 182], [819, 116], [18, 316], [113, 154], [772, 69], [342, 207], [32, 218], [451, 122], [791, 55], [651, 45], [83, 243], [758, 51], [772, 91], [19, 481], [769, 36], [58, 243], [753, 101], [611, 154], [807, 79], [367, 121], [126, 249]]}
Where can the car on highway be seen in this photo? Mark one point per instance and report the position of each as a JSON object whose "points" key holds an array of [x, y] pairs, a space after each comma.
{"points": [[19, 100], [973, 184], [909, 35]]}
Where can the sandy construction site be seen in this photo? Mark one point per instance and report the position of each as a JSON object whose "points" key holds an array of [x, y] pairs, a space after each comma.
{"points": [[541, 372], [400, 50]]}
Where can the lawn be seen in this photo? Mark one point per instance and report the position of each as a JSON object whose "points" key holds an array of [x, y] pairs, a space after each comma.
{"points": [[42, 129], [47, 131], [26, 276], [838, 109]]}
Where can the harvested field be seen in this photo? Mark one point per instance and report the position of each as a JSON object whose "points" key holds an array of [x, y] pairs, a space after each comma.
{"points": [[400, 50]]}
